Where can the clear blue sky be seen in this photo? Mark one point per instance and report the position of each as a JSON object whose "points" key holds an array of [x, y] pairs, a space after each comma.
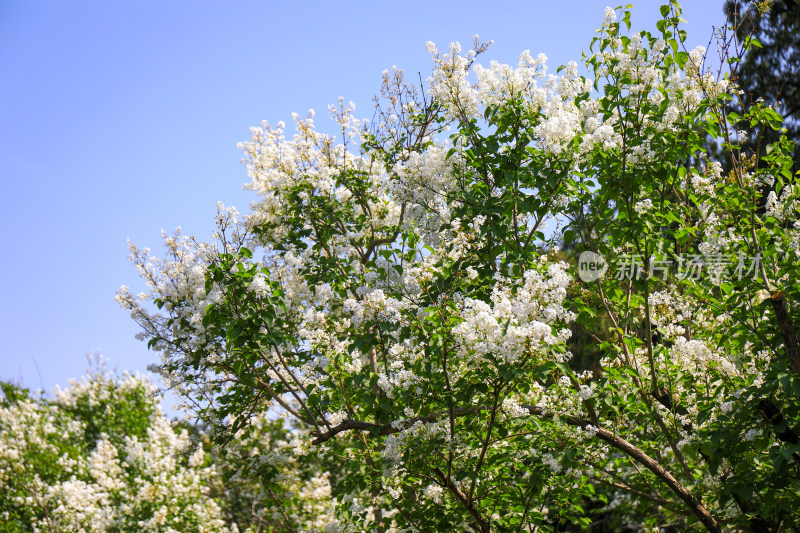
{"points": [[118, 119]]}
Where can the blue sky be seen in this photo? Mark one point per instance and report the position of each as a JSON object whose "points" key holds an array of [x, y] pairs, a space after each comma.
{"points": [[118, 119]]}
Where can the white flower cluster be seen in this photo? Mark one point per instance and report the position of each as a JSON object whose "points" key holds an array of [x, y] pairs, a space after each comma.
{"points": [[433, 493], [396, 443], [449, 83], [696, 356], [425, 180], [643, 206], [519, 318], [512, 407]]}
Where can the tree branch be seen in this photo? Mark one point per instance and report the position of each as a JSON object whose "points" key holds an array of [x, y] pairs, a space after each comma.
{"points": [[480, 522]]}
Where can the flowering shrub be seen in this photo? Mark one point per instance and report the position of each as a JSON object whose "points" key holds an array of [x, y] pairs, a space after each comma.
{"points": [[100, 456], [399, 295]]}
